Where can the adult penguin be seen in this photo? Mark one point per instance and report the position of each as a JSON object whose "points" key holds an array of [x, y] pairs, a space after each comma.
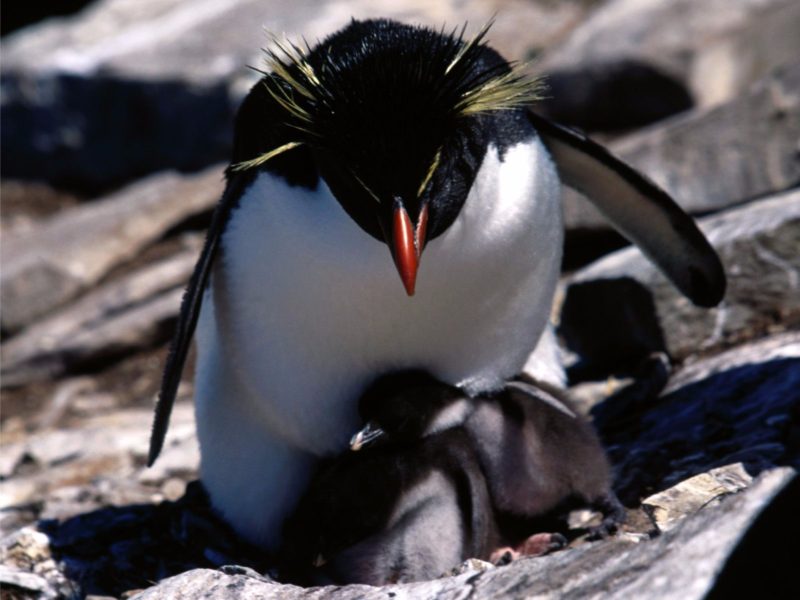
{"points": [[385, 150]]}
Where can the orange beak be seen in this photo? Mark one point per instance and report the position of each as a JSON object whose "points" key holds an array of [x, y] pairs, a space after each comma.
{"points": [[407, 243]]}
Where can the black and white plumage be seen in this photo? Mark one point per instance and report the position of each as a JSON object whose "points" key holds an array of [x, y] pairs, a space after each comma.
{"points": [[383, 135]]}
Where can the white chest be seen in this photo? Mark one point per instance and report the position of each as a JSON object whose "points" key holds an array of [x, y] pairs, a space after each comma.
{"points": [[308, 308]]}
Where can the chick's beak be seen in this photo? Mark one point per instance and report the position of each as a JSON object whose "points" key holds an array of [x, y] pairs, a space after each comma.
{"points": [[407, 243], [366, 436]]}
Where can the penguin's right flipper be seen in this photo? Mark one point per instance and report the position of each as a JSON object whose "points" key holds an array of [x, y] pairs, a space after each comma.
{"points": [[190, 312], [639, 209]]}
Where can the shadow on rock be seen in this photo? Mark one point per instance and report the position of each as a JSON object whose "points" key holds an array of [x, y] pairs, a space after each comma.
{"points": [[122, 548], [611, 324], [747, 414], [614, 95]]}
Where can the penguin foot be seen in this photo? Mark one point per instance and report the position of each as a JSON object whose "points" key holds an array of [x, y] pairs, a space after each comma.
{"points": [[613, 516], [503, 556], [537, 544], [541, 543]]}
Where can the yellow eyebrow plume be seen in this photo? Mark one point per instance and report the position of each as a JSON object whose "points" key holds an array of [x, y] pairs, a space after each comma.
{"points": [[260, 160], [508, 90]]}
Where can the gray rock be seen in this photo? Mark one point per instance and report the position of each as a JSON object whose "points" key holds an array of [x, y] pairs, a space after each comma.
{"points": [[613, 96], [681, 563], [719, 157], [115, 548], [141, 40], [120, 316], [46, 267], [93, 134], [686, 560], [210, 43], [55, 467], [668, 35], [729, 64], [758, 247], [631, 63], [123, 89], [670, 506], [142, 326], [113, 538], [738, 407], [20, 579], [126, 88], [715, 158], [27, 567], [776, 347]]}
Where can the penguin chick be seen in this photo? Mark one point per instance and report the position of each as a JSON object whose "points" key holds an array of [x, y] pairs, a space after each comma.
{"points": [[540, 454], [410, 507], [537, 452]]}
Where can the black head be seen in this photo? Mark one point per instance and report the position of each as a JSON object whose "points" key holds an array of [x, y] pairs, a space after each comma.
{"points": [[394, 118], [402, 406]]}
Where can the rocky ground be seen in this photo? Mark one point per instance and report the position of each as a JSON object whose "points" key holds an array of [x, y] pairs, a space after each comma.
{"points": [[115, 127]]}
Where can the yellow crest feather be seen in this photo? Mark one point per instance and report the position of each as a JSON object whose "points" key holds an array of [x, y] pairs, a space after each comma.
{"points": [[261, 159], [297, 88]]}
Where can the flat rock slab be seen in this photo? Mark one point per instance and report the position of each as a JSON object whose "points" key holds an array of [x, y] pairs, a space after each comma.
{"points": [[120, 317], [51, 264], [668, 34], [715, 158], [730, 63], [211, 42], [607, 302], [631, 64], [672, 505]]}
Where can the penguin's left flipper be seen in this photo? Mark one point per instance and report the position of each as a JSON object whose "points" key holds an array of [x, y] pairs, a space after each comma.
{"points": [[639, 210], [190, 312]]}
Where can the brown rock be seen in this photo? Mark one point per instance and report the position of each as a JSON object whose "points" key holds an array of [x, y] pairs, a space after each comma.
{"points": [[119, 316], [668, 34], [59, 259], [687, 497]]}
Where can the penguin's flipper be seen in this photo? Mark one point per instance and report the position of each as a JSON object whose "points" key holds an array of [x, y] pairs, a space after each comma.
{"points": [[190, 311], [639, 209]]}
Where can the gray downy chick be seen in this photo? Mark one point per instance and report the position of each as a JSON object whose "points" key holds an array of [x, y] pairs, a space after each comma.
{"points": [[540, 454], [537, 452], [410, 505]]}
